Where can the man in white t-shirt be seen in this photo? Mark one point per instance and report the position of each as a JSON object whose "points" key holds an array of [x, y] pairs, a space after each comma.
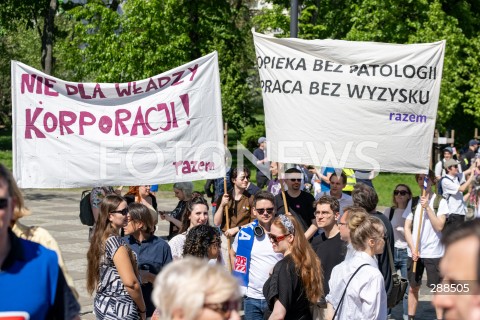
{"points": [[453, 186], [337, 183], [254, 255], [430, 249]]}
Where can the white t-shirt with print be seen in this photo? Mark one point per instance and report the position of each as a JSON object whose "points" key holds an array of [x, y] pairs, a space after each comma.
{"points": [[262, 261]]}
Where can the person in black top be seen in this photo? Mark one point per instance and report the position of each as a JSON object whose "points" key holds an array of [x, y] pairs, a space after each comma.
{"points": [[296, 280], [328, 246], [470, 154], [367, 198], [300, 203]]}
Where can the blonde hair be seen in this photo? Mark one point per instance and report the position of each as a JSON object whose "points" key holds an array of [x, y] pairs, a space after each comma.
{"points": [[189, 284], [362, 227]]}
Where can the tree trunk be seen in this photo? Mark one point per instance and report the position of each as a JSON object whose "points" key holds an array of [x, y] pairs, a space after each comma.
{"points": [[48, 37]]}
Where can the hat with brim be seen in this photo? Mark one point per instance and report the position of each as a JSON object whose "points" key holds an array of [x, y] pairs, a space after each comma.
{"points": [[449, 163]]}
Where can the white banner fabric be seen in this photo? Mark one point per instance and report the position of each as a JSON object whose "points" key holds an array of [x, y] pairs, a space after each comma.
{"points": [[164, 129], [346, 104]]}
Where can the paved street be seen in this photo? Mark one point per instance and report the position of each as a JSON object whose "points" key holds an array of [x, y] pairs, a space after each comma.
{"points": [[57, 211]]}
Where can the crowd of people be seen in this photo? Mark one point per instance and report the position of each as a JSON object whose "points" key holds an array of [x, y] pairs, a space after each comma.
{"points": [[306, 244]]}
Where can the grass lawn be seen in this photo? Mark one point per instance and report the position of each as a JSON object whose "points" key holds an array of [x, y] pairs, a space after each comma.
{"points": [[6, 148], [384, 183]]}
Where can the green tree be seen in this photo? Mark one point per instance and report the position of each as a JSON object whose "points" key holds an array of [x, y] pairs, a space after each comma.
{"points": [[150, 37], [405, 21], [37, 14]]}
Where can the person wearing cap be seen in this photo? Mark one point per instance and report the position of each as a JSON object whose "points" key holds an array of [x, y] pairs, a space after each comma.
{"points": [[439, 170], [262, 163], [470, 154], [453, 185]]}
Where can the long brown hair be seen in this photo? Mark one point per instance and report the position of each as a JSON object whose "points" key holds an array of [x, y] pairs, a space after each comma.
{"points": [[103, 230], [307, 263], [188, 210]]}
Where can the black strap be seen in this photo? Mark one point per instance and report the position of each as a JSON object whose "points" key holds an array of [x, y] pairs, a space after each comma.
{"points": [[344, 291], [392, 210]]}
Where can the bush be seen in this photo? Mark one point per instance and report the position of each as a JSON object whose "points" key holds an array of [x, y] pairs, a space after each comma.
{"points": [[251, 135]]}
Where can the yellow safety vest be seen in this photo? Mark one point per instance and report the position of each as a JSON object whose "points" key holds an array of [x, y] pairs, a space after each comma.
{"points": [[351, 181]]}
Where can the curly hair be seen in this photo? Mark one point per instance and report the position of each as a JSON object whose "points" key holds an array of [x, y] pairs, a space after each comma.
{"points": [[199, 239], [189, 209]]}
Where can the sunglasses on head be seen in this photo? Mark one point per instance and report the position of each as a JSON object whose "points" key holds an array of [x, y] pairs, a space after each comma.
{"points": [[400, 192], [296, 180], [124, 212], [277, 239], [263, 210], [3, 203]]}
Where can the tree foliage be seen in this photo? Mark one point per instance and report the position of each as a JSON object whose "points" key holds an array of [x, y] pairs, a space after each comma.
{"points": [[150, 37], [405, 21]]}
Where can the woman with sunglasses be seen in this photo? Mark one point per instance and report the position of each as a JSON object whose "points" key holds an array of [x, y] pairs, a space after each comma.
{"points": [[112, 267], [357, 289], [142, 194], [296, 280], [401, 196], [192, 289], [203, 241], [153, 253], [196, 213]]}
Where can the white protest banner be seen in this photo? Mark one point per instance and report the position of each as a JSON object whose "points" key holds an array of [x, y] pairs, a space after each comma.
{"points": [[359, 105], [167, 128]]}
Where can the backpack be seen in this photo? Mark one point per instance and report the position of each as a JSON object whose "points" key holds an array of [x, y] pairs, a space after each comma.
{"points": [[86, 213], [440, 188]]}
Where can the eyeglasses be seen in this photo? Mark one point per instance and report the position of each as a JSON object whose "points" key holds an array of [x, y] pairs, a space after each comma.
{"points": [[224, 308], [263, 210], [277, 239], [243, 178], [124, 212], [296, 180], [341, 223], [3, 203], [400, 192]]}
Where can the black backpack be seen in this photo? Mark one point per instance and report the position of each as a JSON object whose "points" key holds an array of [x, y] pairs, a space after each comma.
{"points": [[86, 213]]}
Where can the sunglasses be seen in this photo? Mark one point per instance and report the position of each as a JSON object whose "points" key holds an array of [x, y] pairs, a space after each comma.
{"points": [[262, 210], [124, 212], [296, 180], [243, 178], [277, 239], [400, 192], [224, 308], [454, 166], [3, 203]]}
